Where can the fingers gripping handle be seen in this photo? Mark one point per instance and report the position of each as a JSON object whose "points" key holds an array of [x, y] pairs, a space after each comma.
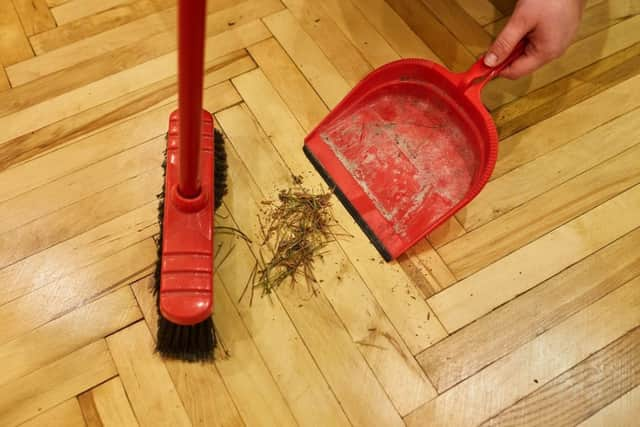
{"points": [[479, 74]]}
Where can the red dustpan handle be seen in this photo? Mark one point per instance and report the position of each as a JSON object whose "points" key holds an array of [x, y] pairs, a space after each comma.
{"points": [[479, 74], [191, 35]]}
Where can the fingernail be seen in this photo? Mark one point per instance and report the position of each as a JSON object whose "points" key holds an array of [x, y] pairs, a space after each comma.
{"points": [[491, 60]]}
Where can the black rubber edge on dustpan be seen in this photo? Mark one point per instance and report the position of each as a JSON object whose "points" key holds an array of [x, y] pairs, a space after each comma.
{"points": [[347, 204]]}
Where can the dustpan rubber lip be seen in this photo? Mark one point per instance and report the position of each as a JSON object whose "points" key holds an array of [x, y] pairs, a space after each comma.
{"points": [[347, 204]]}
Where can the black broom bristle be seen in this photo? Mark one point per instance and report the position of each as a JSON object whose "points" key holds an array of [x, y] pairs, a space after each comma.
{"points": [[195, 342]]}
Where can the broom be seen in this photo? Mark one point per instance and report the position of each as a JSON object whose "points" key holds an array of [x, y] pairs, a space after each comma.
{"points": [[193, 188]]}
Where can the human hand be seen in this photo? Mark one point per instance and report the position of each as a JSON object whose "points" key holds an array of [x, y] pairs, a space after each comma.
{"points": [[549, 27]]}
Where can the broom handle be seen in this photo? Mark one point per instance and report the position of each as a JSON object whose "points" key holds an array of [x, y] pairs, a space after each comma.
{"points": [[191, 35]]}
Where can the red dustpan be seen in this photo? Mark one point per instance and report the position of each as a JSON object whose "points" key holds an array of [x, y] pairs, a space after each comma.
{"points": [[407, 148]]}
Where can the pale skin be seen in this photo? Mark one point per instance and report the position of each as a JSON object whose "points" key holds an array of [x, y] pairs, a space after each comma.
{"points": [[548, 27]]}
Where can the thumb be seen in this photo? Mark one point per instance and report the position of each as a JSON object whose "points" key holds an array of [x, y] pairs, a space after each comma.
{"points": [[515, 30]]}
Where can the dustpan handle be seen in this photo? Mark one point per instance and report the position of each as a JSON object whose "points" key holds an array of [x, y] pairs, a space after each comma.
{"points": [[479, 74], [191, 37]]}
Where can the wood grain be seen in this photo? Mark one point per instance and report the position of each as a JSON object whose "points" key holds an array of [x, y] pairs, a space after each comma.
{"points": [[427, 26], [215, 408], [67, 333], [107, 405], [417, 329], [76, 9], [546, 357], [322, 75], [145, 378], [505, 329], [503, 280], [330, 39], [34, 15], [622, 412], [483, 11], [66, 414], [539, 216], [315, 317], [14, 45], [90, 25], [55, 383], [582, 390]]}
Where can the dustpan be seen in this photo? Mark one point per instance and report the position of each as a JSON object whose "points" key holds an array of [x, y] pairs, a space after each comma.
{"points": [[407, 148]]}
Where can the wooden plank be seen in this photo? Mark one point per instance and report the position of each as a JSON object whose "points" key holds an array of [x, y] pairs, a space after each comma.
{"points": [[76, 9], [389, 364], [552, 169], [35, 16], [155, 38], [533, 219], [582, 390], [322, 75], [579, 55], [96, 23], [567, 92], [483, 11], [447, 232], [97, 243], [463, 27], [281, 346], [66, 414], [109, 404], [514, 274], [4, 80], [54, 3], [68, 293], [394, 30], [433, 268], [406, 310], [332, 41], [509, 327], [546, 357], [572, 123], [96, 147], [119, 84], [14, 44], [145, 378], [104, 115], [80, 217], [504, 6], [213, 405], [360, 31], [314, 315], [68, 333], [76, 186], [55, 383], [294, 89], [623, 412], [427, 26], [594, 19]]}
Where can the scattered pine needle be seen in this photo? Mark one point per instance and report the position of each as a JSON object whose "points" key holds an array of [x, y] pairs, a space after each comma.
{"points": [[295, 230]]}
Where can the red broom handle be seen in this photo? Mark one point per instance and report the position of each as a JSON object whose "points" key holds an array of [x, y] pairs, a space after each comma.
{"points": [[191, 35]]}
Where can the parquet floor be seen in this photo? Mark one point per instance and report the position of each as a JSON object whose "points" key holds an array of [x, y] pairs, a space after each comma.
{"points": [[524, 310]]}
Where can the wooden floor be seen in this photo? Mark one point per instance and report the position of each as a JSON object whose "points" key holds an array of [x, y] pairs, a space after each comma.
{"points": [[524, 310]]}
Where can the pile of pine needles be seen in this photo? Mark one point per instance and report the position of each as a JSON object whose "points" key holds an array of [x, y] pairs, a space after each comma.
{"points": [[294, 231]]}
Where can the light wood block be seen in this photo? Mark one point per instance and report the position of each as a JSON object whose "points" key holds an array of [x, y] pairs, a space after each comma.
{"points": [[61, 336], [55, 383], [546, 357], [14, 45], [337, 47], [145, 378], [514, 274], [507, 328], [483, 11], [322, 75], [34, 15], [76, 9], [203, 393], [107, 405], [66, 414], [622, 412], [582, 390]]}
